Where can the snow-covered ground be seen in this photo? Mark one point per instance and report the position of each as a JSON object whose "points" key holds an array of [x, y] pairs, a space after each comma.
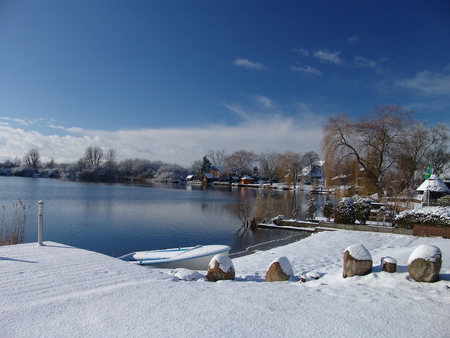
{"points": [[60, 291]]}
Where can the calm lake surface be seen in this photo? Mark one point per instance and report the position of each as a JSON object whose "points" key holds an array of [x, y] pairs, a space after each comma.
{"points": [[115, 219]]}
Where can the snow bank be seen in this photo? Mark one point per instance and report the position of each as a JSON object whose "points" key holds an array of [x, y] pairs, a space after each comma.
{"points": [[60, 291]]}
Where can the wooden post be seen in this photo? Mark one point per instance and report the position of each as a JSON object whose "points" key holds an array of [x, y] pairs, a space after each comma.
{"points": [[40, 216]]}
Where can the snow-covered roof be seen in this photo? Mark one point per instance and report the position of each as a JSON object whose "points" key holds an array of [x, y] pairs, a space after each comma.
{"points": [[434, 183]]}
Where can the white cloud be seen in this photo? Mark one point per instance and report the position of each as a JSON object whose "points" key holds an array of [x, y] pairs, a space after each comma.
{"points": [[248, 64], [22, 122], [428, 83], [353, 39], [174, 145], [301, 51], [241, 112], [308, 70], [361, 61], [325, 55], [263, 101]]}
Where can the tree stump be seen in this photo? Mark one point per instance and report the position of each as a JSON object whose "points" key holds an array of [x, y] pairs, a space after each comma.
{"points": [[388, 264]]}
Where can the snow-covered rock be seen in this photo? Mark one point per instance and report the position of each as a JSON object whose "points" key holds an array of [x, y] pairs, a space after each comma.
{"points": [[279, 270], [220, 268], [424, 263], [357, 261]]}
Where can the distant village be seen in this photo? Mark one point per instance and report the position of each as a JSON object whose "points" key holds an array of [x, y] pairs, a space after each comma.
{"points": [[386, 153]]}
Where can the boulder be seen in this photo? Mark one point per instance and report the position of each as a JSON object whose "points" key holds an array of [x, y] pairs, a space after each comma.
{"points": [[279, 270], [220, 268], [388, 264], [357, 261], [424, 263]]}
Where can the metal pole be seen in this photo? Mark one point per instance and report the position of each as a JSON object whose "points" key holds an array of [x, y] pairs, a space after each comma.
{"points": [[40, 216]]}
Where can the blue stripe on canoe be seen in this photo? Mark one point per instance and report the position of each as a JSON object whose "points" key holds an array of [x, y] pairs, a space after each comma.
{"points": [[163, 260]]}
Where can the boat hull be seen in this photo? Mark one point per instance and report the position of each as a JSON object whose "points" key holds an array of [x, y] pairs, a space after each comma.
{"points": [[193, 258]]}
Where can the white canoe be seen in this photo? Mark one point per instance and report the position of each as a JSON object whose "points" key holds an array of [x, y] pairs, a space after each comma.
{"points": [[193, 258]]}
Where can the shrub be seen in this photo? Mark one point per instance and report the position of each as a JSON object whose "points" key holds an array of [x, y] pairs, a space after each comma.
{"points": [[345, 211], [328, 209], [311, 210], [444, 201], [439, 216], [362, 209], [12, 230]]}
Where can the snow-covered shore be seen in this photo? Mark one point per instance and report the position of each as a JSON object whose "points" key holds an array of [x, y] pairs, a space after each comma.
{"points": [[60, 291]]}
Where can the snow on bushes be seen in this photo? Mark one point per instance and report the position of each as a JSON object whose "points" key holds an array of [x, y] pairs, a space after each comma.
{"points": [[362, 209], [439, 216], [311, 210], [444, 201], [345, 211], [328, 209]]}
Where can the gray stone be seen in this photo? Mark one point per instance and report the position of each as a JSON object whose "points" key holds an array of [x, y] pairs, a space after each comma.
{"points": [[357, 261], [425, 263]]}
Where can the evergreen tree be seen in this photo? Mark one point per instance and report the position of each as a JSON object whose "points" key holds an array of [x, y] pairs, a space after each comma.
{"points": [[311, 210], [206, 166], [328, 209], [362, 209], [345, 211]]}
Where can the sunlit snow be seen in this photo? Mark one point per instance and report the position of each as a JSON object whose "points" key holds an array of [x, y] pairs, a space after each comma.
{"points": [[60, 291]]}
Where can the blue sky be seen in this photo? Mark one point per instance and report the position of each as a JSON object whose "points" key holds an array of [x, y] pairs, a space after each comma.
{"points": [[170, 80]]}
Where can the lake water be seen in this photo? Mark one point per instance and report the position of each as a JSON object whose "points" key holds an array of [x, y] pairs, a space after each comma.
{"points": [[116, 219]]}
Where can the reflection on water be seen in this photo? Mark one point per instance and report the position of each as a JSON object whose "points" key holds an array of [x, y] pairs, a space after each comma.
{"points": [[116, 219]]}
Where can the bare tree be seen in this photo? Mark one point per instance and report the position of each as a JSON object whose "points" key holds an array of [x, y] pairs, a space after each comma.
{"points": [[438, 154], [93, 156], [268, 164], [32, 159], [50, 164], [17, 162], [240, 162], [126, 167], [371, 141], [410, 155], [289, 167], [243, 210], [196, 167], [110, 158], [216, 157]]}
